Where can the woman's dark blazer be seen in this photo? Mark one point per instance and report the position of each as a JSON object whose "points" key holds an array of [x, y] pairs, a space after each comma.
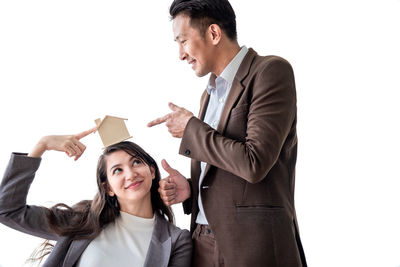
{"points": [[169, 246]]}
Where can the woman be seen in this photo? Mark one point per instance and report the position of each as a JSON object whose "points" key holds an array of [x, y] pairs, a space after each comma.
{"points": [[124, 225]]}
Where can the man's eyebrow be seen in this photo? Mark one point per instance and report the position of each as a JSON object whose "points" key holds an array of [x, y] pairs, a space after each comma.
{"points": [[180, 36]]}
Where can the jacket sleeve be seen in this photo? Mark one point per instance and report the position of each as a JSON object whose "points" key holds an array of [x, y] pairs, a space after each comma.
{"points": [[181, 255], [187, 204], [271, 114], [14, 212]]}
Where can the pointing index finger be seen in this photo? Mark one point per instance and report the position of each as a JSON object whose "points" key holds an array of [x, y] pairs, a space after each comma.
{"points": [[158, 121], [172, 106], [85, 133]]}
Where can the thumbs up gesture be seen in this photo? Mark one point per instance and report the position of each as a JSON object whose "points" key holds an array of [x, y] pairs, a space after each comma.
{"points": [[174, 188]]}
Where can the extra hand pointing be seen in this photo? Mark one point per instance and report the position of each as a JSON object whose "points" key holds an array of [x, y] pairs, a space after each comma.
{"points": [[70, 144]]}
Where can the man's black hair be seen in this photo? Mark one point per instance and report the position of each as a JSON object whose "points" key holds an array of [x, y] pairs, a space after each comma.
{"points": [[203, 13]]}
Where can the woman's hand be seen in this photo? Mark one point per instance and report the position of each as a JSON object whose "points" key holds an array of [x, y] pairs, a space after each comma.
{"points": [[69, 144]]}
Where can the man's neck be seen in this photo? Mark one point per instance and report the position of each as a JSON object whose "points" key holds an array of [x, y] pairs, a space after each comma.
{"points": [[225, 55]]}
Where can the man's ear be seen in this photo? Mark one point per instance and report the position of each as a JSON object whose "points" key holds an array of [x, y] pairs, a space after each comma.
{"points": [[215, 33]]}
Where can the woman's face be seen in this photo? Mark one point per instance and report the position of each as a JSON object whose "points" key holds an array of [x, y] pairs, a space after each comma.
{"points": [[129, 178]]}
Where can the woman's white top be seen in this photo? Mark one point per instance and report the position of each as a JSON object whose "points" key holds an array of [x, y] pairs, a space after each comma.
{"points": [[122, 243]]}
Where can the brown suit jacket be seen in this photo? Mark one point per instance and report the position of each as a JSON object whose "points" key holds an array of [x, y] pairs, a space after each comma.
{"points": [[248, 186]]}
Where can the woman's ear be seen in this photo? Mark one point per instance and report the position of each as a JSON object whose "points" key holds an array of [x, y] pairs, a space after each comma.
{"points": [[153, 172], [107, 190]]}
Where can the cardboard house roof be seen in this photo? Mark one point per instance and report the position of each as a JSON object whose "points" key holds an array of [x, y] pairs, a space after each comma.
{"points": [[112, 130]]}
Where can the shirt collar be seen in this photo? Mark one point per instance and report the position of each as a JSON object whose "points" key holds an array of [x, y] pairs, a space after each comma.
{"points": [[228, 74]]}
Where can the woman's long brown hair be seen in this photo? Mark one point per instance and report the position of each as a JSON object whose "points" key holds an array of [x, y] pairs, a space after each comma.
{"points": [[87, 218]]}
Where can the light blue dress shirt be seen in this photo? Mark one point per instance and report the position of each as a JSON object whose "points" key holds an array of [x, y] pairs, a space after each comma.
{"points": [[218, 88]]}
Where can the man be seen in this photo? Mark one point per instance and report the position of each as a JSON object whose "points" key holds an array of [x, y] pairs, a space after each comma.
{"points": [[243, 145]]}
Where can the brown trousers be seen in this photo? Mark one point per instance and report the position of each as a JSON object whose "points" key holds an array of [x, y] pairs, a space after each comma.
{"points": [[205, 251]]}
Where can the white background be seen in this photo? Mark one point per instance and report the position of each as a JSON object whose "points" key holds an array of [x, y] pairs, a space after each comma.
{"points": [[65, 63]]}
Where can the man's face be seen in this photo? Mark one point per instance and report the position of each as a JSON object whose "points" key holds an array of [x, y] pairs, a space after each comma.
{"points": [[195, 49]]}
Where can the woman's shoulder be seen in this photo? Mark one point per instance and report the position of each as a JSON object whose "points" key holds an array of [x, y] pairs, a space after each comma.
{"points": [[177, 230], [174, 231], [180, 240]]}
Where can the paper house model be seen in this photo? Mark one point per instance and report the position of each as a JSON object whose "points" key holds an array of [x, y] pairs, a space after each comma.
{"points": [[112, 130]]}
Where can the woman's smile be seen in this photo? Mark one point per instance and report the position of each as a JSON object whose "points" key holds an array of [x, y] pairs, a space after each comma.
{"points": [[134, 185]]}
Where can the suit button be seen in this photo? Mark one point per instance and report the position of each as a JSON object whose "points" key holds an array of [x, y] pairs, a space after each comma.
{"points": [[187, 152]]}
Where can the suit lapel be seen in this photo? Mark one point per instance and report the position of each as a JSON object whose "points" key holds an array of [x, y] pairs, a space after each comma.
{"points": [[235, 92], [75, 251], [236, 89], [195, 164], [205, 97], [160, 245]]}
